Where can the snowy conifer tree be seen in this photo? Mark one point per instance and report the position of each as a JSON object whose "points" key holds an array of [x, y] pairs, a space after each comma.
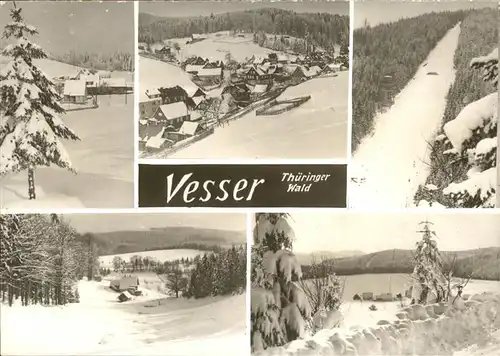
{"points": [[31, 124], [473, 133], [280, 310], [428, 271]]}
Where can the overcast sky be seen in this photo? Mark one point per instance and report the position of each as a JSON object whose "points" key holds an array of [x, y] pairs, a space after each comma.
{"points": [[377, 11], [370, 232], [83, 26], [145, 221], [205, 8]]}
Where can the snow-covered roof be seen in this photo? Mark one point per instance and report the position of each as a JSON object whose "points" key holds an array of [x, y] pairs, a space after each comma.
{"points": [[74, 87], [156, 142], [190, 68], [152, 92], [282, 57], [188, 128], [210, 72], [195, 116], [260, 88], [174, 110], [190, 90], [259, 59], [335, 65], [197, 100]]}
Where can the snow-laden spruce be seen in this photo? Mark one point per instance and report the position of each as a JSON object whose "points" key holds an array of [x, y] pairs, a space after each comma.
{"points": [[473, 135], [31, 126], [280, 311]]}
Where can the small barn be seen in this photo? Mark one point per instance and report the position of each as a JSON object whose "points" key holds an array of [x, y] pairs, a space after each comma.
{"points": [[385, 297], [124, 297], [75, 91], [124, 283], [367, 296]]}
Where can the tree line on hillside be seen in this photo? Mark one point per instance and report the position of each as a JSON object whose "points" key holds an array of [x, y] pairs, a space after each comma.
{"points": [[43, 258], [188, 245], [138, 263], [386, 57], [324, 29], [483, 265], [117, 61], [478, 37]]}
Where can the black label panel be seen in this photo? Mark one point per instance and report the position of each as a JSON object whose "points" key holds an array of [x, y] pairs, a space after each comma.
{"points": [[220, 185]]}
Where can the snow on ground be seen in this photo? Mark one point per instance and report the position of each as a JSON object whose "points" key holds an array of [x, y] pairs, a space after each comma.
{"points": [[491, 349], [218, 44], [317, 129], [390, 165], [154, 73], [160, 255], [103, 159], [99, 325]]}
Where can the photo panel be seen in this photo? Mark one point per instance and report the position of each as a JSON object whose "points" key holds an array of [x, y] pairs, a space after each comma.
{"points": [[425, 104], [124, 284], [243, 80], [67, 105], [391, 283]]}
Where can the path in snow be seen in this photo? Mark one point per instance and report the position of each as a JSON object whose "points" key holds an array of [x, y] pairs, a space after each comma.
{"points": [[317, 129], [388, 166], [99, 325]]}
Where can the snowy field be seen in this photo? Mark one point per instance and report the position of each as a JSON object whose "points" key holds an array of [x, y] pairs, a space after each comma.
{"points": [[317, 129], [356, 313], [389, 165], [218, 44], [103, 158], [160, 255], [147, 325]]}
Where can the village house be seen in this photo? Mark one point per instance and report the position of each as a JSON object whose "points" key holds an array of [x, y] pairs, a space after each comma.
{"points": [[164, 52], [210, 75], [75, 91], [195, 61], [256, 73], [259, 90], [173, 94], [193, 69], [190, 129], [147, 108], [194, 91], [153, 93], [238, 91], [108, 86], [124, 283], [158, 143], [172, 114]]}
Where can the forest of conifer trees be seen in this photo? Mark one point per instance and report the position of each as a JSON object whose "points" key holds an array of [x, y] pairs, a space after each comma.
{"points": [[324, 29], [43, 258], [386, 57]]}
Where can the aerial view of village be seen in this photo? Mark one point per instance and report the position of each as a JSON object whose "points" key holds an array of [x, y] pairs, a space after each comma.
{"points": [[123, 284], [243, 80], [67, 128]]}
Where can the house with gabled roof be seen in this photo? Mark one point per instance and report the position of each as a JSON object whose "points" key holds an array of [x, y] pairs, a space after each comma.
{"points": [[75, 91], [172, 114], [173, 94]]}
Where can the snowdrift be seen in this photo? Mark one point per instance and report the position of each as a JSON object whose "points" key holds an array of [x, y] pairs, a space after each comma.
{"points": [[420, 330]]}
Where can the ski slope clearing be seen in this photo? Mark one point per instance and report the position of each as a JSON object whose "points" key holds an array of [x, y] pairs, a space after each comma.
{"points": [[147, 325], [317, 129], [389, 166], [160, 255]]}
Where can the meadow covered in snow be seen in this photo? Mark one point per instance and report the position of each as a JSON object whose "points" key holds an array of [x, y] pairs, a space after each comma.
{"points": [[316, 129], [103, 158], [148, 325]]}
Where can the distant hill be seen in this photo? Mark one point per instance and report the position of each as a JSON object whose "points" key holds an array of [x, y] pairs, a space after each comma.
{"points": [[483, 263], [324, 29], [307, 258], [118, 242]]}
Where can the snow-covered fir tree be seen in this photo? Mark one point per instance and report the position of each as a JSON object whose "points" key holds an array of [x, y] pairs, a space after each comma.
{"points": [[428, 270], [31, 126], [473, 135], [280, 311]]}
